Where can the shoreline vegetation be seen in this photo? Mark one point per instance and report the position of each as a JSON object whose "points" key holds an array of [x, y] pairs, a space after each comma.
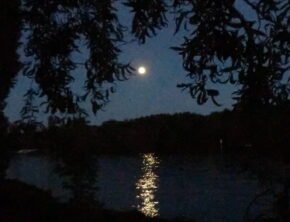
{"points": [[228, 132]]}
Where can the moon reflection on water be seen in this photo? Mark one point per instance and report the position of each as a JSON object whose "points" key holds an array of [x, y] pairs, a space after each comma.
{"points": [[147, 186]]}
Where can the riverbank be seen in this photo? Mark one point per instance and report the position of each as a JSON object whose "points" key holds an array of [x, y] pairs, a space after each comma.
{"points": [[26, 203]]}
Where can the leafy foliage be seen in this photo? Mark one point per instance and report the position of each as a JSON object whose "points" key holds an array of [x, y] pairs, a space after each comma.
{"points": [[9, 35], [29, 110], [54, 28], [149, 16], [223, 45]]}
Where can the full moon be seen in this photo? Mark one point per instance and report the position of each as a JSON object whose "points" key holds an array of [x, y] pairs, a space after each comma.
{"points": [[142, 70]]}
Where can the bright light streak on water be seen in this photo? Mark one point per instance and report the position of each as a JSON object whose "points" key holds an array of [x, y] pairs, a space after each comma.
{"points": [[147, 186]]}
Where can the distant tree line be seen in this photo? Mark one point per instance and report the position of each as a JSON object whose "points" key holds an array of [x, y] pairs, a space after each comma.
{"points": [[226, 131]]}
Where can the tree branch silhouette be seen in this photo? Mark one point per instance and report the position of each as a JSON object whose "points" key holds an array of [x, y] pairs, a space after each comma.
{"points": [[222, 45]]}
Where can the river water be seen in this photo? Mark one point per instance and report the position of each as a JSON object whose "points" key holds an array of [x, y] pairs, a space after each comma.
{"points": [[177, 186]]}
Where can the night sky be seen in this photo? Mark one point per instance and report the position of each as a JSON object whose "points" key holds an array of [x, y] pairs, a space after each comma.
{"points": [[153, 93]]}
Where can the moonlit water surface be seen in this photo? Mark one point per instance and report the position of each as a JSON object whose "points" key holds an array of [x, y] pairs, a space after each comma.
{"points": [[147, 186], [202, 188]]}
